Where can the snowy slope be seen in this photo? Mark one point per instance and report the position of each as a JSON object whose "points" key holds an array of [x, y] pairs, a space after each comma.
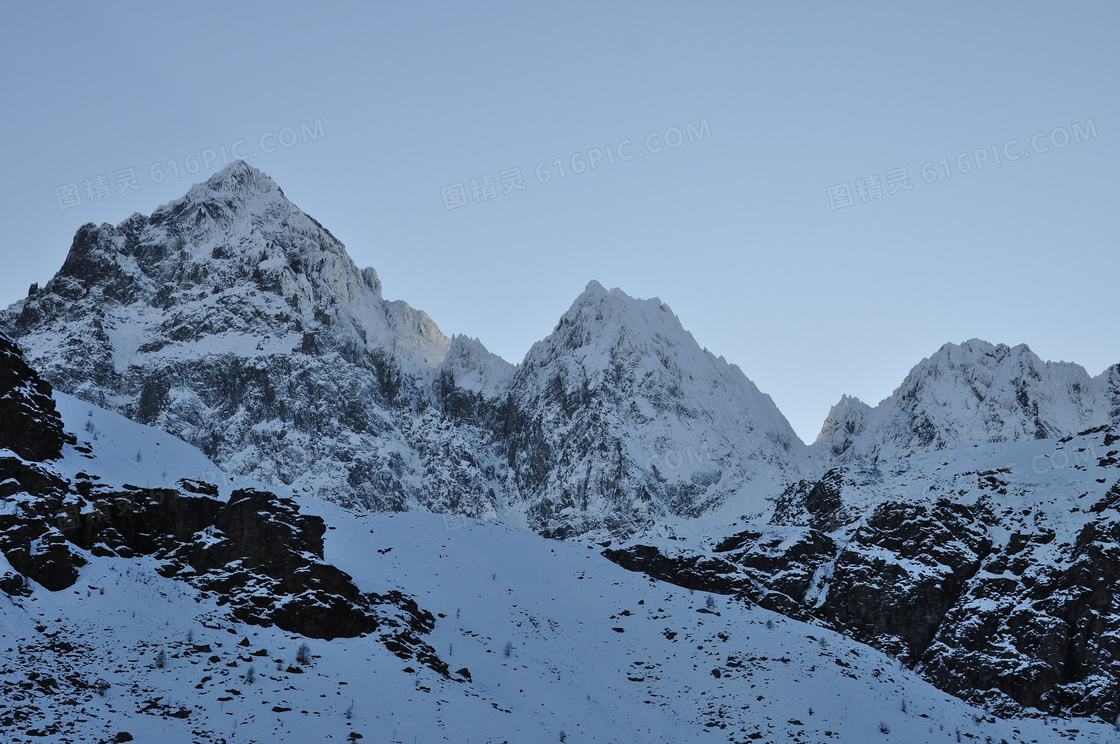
{"points": [[972, 393], [595, 652], [991, 570]]}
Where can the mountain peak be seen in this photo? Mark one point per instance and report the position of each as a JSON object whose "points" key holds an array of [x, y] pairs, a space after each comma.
{"points": [[239, 176], [621, 414], [979, 351], [595, 294], [966, 394], [846, 421], [473, 367]]}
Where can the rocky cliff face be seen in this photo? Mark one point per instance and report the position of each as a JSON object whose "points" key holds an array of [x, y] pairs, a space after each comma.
{"points": [[236, 322], [29, 425]]}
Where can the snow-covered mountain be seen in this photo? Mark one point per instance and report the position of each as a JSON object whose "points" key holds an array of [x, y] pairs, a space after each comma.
{"points": [[972, 393], [966, 525], [234, 321], [620, 419], [147, 596]]}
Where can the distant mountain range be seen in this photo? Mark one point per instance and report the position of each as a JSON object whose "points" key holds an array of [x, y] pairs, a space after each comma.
{"points": [[233, 320]]}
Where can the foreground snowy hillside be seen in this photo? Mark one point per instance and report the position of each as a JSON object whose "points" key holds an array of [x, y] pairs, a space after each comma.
{"points": [[515, 637], [595, 653]]}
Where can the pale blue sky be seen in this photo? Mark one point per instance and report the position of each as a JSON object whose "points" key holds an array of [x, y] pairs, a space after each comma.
{"points": [[735, 231]]}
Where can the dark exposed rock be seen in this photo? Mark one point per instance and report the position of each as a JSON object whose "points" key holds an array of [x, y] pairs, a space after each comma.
{"points": [[780, 563], [1040, 633], [29, 424], [14, 585], [824, 502], [902, 571], [691, 572]]}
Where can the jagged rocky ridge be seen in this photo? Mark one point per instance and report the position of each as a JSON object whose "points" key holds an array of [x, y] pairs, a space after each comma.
{"points": [[252, 550], [970, 393], [236, 322]]}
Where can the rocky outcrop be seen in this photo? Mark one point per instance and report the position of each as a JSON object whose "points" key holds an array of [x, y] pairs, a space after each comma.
{"points": [[29, 425], [781, 564], [689, 571], [901, 572], [254, 552], [1037, 631]]}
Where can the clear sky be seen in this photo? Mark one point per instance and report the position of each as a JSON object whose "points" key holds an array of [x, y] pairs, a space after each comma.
{"points": [[770, 227]]}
